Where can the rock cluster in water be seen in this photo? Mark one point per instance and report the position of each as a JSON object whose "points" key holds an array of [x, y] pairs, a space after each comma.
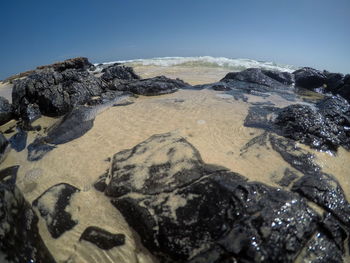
{"points": [[189, 211], [183, 209]]}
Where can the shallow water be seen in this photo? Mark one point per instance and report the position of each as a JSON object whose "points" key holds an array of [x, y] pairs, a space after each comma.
{"points": [[212, 121]]}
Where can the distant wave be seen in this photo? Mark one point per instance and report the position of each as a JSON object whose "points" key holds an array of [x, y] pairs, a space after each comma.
{"points": [[207, 61]]}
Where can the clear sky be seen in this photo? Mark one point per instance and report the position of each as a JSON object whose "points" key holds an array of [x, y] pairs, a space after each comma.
{"points": [[299, 32]]}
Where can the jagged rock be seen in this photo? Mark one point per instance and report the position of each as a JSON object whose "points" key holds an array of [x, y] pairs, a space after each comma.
{"points": [[309, 78], [249, 221], [5, 111], [333, 229], [324, 190], [298, 158], [19, 140], [324, 127], [152, 86], [322, 249], [55, 92], [285, 78], [168, 162], [320, 188], [260, 77], [29, 112], [52, 205], [102, 238], [119, 72], [4, 147], [20, 240], [218, 216], [79, 63]]}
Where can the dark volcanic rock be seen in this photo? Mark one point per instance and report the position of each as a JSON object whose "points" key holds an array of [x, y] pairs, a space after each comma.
{"points": [[285, 78], [161, 163], [73, 125], [55, 92], [4, 147], [309, 78], [334, 81], [102, 238], [153, 86], [253, 222], [344, 91], [324, 127], [119, 72], [320, 188], [20, 240], [322, 249], [52, 205], [333, 228], [79, 63], [324, 190], [218, 216], [19, 140], [5, 111], [261, 77], [29, 112]]}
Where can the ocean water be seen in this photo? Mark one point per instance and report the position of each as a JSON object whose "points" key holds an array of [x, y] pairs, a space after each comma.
{"points": [[212, 121]]}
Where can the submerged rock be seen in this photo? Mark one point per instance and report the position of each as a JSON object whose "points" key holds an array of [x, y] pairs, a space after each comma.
{"points": [[102, 238], [53, 204], [153, 86], [161, 163], [4, 147], [20, 240], [19, 140], [324, 127], [5, 111], [73, 125], [215, 216]]}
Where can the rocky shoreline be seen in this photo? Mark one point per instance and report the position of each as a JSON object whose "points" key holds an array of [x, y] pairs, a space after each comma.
{"points": [[182, 208]]}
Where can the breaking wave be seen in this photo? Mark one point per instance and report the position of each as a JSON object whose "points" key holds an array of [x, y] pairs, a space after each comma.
{"points": [[207, 61]]}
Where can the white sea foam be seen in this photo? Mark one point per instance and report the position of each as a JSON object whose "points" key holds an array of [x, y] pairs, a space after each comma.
{"points": [[207, 61]]}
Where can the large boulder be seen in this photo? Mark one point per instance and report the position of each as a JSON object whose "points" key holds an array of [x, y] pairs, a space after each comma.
{"points": [[309, 78], [55, 93], [185, 215], [20, 239], [5, 111], [152, 86]]}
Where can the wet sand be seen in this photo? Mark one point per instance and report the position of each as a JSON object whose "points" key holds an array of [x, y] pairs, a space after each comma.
{"points": [[210, 121]]}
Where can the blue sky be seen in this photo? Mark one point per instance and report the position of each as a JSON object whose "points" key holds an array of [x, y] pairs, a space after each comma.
{"points": [[299, 32]]}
